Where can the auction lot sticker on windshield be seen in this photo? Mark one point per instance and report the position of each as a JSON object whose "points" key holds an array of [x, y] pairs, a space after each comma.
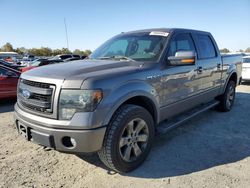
{"points": [[159, 33]]}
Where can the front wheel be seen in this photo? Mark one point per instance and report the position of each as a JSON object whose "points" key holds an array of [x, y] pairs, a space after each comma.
{"points": [[227, 99], [128, 139]]}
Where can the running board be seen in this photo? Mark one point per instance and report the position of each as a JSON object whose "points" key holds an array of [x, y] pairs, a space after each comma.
{"points": [[168, 125]]}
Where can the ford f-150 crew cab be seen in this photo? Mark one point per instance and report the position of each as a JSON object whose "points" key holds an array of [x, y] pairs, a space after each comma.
{"points": [[116, 100]]}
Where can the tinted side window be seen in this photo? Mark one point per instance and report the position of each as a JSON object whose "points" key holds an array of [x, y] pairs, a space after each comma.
{"points": [[181, 42], [206, 47]]}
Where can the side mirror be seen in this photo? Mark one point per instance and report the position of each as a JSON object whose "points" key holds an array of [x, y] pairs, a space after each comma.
{"points": [[183, 58]]}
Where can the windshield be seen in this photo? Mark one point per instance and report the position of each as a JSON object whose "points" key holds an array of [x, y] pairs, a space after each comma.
{"points": [[246, 60], [138, 47]]}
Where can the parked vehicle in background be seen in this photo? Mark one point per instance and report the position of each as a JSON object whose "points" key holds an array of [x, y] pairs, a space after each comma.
{"points": [[246, 68], [113, 102], [11, 65], [33, 64], [24, 69], [41, 62], [68, 56], [37, 61], [56, 59], [27, 59], [8, 82], [71, 59], [62, 57], [10, 56], [83, 56]]}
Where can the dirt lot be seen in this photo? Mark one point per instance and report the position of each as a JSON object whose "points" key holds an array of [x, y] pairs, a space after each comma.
{"points": [[211, 150]]}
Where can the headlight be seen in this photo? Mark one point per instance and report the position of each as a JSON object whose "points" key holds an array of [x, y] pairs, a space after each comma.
{"points": [[72, 101]]}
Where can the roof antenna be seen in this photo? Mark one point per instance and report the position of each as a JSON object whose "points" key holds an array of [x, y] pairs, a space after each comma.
{"points": [[66, 32]]}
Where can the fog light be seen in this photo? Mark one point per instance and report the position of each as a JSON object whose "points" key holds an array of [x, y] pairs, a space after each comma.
{"points": [[69, 142], [67, 113]]}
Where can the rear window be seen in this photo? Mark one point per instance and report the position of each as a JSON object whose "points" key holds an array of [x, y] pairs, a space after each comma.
{"points": [[206, 47]]}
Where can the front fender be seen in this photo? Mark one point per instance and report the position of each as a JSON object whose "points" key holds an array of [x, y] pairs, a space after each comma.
{"points": [[126, 91]]}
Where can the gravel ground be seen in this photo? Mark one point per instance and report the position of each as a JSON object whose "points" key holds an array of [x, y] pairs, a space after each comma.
{"points": [[211, 150]]}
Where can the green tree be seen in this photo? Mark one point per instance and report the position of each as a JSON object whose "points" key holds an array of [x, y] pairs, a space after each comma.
{"points": [[87, 52], [66, 51], [45, 51], [78, 52], [248, 50], [34, 51], [7, 47], [224, 50], [56, 52], [240, 50], [21, 50]]}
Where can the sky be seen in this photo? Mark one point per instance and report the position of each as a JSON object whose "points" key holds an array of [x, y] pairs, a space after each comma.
{"points": [[36, 23]]}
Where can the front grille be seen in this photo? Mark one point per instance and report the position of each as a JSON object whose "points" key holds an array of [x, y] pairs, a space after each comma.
{"points": [[40, 97], [36, 96], [35, 84]]}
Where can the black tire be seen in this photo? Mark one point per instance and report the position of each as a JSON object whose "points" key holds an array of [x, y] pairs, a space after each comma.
{"points": [[227, 99], [112, 154]]}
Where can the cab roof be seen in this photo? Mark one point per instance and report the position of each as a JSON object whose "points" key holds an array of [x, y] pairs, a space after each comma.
{"points": [[168, 30]]}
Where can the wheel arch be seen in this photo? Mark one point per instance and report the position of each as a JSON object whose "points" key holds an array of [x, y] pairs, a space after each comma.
{"points": [[232, 76], [144, 102], [143, 96]]}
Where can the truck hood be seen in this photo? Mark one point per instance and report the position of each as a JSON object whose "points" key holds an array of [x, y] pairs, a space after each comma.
{"points": [[78, 71]]}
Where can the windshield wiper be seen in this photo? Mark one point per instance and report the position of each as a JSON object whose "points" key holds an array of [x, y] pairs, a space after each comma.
{"points": [[120, 57]]}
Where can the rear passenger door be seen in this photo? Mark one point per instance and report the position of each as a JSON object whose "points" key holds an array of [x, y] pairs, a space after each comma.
{"points": [[209, 64]]}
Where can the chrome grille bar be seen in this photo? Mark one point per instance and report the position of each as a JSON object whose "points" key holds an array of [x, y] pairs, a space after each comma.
{"points": [[36, 96]]}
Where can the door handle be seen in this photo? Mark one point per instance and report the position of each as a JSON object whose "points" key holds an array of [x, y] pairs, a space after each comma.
{"points": [[199, 69]]}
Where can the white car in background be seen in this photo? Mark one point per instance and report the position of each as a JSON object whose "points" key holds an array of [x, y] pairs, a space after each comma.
{"points": [[246, 68]]}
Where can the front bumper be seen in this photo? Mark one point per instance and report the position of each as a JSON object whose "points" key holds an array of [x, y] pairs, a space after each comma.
{"points": [[62, 139]]}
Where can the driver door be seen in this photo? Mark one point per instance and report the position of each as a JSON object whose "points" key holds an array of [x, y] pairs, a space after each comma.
{"points": [[180, 84]]}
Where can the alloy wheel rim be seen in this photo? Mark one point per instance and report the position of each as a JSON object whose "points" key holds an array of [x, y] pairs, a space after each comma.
{"points": [[133, 140], [230, 97]]}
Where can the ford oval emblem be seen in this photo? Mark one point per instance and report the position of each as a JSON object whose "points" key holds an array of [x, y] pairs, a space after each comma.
{"points": [[26, 94]]}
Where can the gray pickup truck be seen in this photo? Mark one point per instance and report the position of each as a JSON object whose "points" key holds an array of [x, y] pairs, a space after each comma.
{"points": [[115, 101]]}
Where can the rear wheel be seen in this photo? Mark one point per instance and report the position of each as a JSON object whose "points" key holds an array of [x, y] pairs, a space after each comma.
{"points": [[128, 139], [227, 99]]}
